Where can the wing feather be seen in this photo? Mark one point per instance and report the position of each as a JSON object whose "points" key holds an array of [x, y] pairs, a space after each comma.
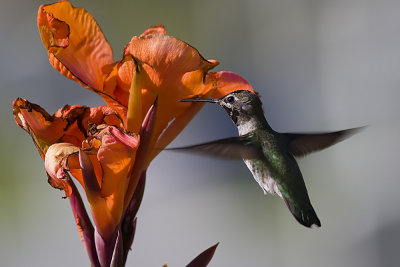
{"points": [[240, 147], [301, 144]]}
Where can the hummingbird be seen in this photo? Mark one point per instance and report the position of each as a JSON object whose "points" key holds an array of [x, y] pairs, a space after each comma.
{"points": [[269, 155]]}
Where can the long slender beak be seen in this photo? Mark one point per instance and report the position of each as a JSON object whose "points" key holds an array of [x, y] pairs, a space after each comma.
{"points": [[210, 100]]}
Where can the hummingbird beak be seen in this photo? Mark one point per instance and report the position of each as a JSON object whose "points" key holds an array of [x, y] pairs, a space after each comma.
{"points": [[210, 100]]}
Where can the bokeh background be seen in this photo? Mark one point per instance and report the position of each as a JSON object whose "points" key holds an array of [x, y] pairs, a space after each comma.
{"points": [[319, 65]]}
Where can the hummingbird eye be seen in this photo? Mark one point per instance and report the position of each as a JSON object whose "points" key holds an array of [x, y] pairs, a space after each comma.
{"points": [[230, 99]]}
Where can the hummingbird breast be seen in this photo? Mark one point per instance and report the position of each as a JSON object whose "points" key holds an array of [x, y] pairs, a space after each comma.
{"points": [[263, 177]]}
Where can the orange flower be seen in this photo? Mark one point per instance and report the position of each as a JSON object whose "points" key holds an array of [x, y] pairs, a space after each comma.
{"points": [[169, 68], [107, 149], [91, 144]]}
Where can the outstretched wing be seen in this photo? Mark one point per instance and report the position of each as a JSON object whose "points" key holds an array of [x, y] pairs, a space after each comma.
{"points": [[240, 147], [303, 144]]}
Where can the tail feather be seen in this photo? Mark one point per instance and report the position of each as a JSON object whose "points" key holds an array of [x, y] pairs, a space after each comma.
{"points": [[306, 216]]}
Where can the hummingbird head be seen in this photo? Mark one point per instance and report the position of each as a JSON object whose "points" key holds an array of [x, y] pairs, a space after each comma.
{"points": [[241, 105]]}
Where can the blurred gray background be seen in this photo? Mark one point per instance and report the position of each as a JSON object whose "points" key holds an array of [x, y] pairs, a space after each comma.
{"points": [[318, 65]]}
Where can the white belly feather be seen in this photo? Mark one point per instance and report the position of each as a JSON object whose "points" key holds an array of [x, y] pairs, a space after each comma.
{"points": [[263, 178]]}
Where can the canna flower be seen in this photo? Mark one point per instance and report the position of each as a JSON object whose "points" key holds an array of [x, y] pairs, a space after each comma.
{"points": [[107, 149]]}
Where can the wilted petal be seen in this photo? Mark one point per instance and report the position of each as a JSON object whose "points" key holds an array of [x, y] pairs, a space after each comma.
{"points": [[75, 44], [69, 124], [41, 126], [62, 158], [56, 165]]}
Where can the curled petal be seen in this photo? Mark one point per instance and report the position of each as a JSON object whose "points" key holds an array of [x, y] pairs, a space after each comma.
{"points": [[75, 44], [56, 165]]}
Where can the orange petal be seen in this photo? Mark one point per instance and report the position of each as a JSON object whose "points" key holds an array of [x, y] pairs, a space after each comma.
{"points": [[102, 217], [167, 60], [172, 70], [75, 44], [116, 156], [228, 82], [112, 94], [154, 30], [216, 85], [173, 129]]}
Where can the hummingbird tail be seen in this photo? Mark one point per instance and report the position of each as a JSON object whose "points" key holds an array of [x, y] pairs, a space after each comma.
{"points": [[304, 215]]}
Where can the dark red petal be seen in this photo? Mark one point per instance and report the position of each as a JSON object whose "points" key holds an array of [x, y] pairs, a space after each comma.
{"points": [[88, 174], [85, 227], [204, 258], [142, 154], [128, 223]]}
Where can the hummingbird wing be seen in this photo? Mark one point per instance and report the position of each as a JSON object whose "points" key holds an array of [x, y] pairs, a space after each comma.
{"points": [[240, 147], [301, 144]]}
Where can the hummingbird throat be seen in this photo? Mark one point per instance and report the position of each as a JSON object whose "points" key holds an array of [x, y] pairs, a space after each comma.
{"points": [[246, 125]]}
